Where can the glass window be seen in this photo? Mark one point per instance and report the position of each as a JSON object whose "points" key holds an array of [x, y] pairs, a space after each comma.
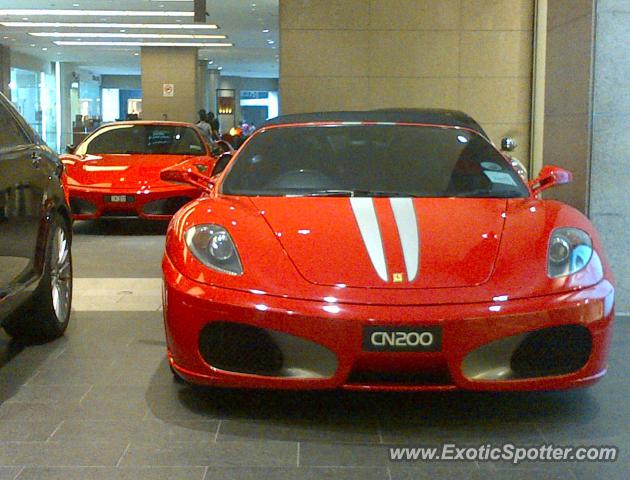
{"points": [[25, 95], [147, 139], [372, 160], [11, 135]]}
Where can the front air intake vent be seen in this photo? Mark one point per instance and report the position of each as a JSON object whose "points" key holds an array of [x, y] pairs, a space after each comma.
{"points": [[552, 351], [240, 348]]}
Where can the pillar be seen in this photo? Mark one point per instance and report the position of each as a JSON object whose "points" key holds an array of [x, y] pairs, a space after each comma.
{"points": [[609, 207], [5, 70], [203, 95], [68, 76], [567, 118], [214, 76], [169, 83]]}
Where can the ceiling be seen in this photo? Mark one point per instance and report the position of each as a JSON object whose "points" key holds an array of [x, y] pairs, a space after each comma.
{"points": [[254, 54]]}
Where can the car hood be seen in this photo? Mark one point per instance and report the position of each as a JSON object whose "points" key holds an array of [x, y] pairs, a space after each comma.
{"points": [[121, 171], [397, 243]]}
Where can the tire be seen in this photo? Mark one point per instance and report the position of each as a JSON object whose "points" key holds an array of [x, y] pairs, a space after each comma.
{"points": [[46, 315]]}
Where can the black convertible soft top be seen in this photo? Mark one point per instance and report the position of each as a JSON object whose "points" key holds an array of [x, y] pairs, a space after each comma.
{"points": [[435, 116]]}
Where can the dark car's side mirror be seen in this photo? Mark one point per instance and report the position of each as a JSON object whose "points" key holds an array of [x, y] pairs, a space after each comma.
{"points": [[70, 148], [550, 176], [222, 162]]}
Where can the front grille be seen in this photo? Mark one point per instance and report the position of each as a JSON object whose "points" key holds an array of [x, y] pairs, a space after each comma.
{"points": [[79, 206], [399, 379], [119, 213], [165, 206]]}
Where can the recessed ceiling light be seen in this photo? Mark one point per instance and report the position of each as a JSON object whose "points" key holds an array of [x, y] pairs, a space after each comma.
{"points": [[154, 26], [142, 44], [94, 13], [219, 68], [45, 49], [270, 42], [210, 62], [179, 36]]}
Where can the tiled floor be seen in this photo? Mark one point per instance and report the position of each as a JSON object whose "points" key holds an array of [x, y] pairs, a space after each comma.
{"points": [[100, 403]]}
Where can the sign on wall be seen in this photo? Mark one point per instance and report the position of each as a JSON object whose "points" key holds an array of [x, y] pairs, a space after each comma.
{"points": [[168, 90]]}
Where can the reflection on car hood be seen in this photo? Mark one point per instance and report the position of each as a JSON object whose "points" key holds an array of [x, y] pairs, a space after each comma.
{"points": [[121, 171], [388, 242]]}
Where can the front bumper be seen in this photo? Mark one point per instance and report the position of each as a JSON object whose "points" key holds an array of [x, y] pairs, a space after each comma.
{"points": [[156, 204], [319, 327]]}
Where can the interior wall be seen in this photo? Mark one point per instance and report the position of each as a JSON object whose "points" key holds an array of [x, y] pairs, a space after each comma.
{"points": [[610, 161], [568, 95], [122, 82], [176, 66], [472, 55]]}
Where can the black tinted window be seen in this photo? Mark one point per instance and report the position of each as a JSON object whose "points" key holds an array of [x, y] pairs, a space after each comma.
{"points": [[11, 135], [148, 139], [371, 160]]}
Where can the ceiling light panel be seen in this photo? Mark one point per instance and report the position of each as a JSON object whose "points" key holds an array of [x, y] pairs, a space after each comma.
{"points": [[153, 26], [171, 36], [92, 13], [141, 44]]}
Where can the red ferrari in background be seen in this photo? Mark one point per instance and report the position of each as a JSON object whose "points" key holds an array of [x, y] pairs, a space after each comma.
{"points": [[384, 250], [115, 171]]}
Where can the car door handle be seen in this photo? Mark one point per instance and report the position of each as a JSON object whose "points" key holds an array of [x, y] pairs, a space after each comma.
{"points": [[36, 159]]}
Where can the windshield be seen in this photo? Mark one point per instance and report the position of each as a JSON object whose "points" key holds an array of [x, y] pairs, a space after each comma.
{"points": [[144, 139], [372, 160]]}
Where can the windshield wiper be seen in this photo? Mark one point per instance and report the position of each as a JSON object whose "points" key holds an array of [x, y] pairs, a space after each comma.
{"points": [[483, 193], [357, 193]]}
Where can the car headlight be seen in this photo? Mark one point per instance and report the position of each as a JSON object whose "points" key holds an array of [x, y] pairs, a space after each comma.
{"points": [[212, 245], [570, 250]]}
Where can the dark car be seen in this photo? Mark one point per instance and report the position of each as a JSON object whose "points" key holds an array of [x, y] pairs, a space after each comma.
{"points": [[35, 234]]}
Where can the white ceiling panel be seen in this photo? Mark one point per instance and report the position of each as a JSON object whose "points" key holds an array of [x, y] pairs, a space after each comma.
{"points": [[244, 23]]}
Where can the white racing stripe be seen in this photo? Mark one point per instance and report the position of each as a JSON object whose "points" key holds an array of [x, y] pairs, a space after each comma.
{"points": [[365, 215], [117, 294], [407, 224]]}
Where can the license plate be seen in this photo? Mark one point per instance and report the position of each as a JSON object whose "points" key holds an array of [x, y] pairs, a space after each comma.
{"points": [[119, 198], [402, 339]]}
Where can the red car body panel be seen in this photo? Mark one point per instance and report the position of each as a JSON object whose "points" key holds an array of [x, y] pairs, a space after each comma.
{"points": [[482, 278], [92, 178]]}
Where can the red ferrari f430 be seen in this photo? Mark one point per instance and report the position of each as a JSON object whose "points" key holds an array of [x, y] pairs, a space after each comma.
{"points": [[384, 250], [115, 171]]}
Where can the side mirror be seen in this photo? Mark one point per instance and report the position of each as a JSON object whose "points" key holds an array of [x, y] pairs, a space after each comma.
{"points": [[186, 172], [222, 162], [508, 144], [70, 148], [550, 176]]}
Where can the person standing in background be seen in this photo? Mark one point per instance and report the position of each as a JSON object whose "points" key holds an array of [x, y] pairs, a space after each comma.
{"points": [[204, 126], [214, 124]]}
